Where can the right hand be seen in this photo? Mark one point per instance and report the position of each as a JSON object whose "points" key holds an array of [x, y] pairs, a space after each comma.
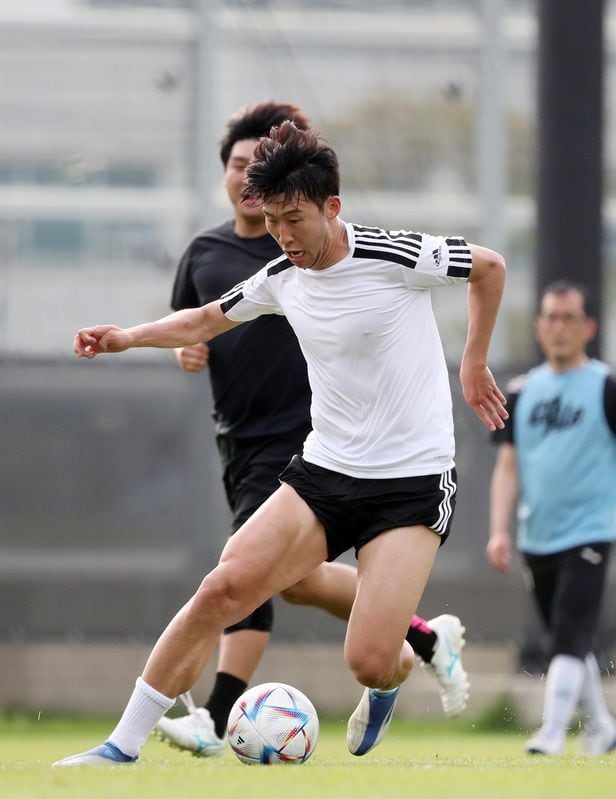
{"points": [[498, 551], [92, 341], [193, 358]]}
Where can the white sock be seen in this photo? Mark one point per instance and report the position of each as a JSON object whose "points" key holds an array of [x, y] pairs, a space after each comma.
{"points": [[378, 692], [562, 691], [145, 708], [592, 697]]}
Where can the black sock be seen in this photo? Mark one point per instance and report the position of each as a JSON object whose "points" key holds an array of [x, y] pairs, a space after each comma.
{"points": [[423, 641], [226, 690]]}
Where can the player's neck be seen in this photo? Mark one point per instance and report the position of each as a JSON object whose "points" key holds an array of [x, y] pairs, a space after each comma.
{"points": [[249, 228]]}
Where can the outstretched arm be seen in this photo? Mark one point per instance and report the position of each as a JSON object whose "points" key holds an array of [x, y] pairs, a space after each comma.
{"points": [[179, 329], [486, 285]]}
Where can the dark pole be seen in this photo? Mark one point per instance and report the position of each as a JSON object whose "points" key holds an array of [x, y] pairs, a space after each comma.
{"points": [[569, 169]]}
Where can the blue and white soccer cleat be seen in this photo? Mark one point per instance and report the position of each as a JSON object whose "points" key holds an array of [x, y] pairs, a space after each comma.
{"points": [[106, 754], [370, 720]]}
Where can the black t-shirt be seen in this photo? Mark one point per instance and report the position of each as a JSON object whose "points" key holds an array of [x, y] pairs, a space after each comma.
{"points": [[257, 371]]}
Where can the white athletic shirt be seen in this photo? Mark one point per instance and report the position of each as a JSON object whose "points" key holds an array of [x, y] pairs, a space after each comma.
{"points": [[381, 403]]}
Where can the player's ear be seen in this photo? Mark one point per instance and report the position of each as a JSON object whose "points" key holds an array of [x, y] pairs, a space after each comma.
{"points": [[333, 205], [591, 328]]}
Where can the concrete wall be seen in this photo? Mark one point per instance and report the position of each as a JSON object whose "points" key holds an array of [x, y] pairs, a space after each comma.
{"points": [[111, 509], [47, 678]]}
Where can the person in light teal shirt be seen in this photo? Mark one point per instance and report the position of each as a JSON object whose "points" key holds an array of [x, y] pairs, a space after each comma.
{"points": [[557, 462], [567, 460]]}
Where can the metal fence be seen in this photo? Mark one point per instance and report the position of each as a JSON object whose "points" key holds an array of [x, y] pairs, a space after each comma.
{"points": [[111, 115]]}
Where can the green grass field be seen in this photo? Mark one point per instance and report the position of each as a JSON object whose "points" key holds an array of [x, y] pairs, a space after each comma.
{"points": [[439, 760]]}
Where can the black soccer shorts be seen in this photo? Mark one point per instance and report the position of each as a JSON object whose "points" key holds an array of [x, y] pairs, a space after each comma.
{"points": [[355, 510]]}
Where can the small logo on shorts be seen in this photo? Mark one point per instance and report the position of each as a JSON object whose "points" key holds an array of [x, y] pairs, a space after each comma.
{"points": [[591, 555]]}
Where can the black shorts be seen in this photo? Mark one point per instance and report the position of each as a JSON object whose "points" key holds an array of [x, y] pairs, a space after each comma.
{"points": [[355, 510], [568, 588], [251, 467]]}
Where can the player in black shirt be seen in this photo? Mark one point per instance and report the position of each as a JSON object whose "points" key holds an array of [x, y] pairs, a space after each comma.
{"points": [[258, 390]]}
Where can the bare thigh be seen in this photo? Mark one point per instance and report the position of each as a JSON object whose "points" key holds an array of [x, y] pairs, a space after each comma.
{"points": [[277, 546], [392, 571], [281, 543]]}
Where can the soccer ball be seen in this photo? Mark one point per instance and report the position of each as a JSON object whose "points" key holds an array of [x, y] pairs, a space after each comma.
{"points": [[273, 723]]}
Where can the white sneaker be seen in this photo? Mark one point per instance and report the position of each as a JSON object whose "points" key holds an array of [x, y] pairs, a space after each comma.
{"points": [[446, 664], [194, 732], [600, 741], [542, 744], [370, 720]]}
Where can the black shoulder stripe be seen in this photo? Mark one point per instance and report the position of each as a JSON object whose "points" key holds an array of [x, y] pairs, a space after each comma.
{"points": [[458, 271], [234, 295], [403, 242], [458, 248], [226, 305], [460, 258], [233, 290], [367, 229], [279, 266], [398, 246], [371, 233], [407, 246], [389, 255]]}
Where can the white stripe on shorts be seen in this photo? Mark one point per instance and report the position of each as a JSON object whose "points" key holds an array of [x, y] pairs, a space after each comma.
{"points": [[448, 487]]}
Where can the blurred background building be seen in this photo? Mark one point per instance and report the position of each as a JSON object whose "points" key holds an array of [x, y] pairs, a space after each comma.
{"points": [[111, 503], [111, 114]]}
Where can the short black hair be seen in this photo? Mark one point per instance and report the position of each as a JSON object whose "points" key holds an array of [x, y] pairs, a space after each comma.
{"points": [[295, 164], [256, 120], [564, 286]]}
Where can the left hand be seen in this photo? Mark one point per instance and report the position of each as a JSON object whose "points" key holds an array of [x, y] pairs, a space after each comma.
{"points": [[498, 551], [483, 395]]}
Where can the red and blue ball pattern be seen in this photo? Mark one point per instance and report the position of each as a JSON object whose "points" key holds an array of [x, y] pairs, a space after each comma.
{"points": [[273, 723]]}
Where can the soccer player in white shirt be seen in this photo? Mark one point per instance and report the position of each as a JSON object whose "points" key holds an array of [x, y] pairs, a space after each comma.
{"points": [[377, 472]]}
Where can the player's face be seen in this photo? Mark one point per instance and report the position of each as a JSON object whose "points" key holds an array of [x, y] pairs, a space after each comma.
{"points": [[563, 329], [235, 177], [308, 235]]}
